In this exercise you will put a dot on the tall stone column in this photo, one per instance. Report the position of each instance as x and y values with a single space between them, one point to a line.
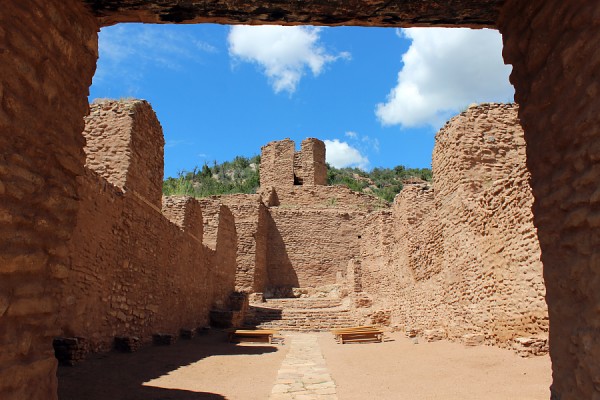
553 47
48 52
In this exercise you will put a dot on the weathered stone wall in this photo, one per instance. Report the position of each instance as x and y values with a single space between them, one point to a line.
464 256
281 166
309 164
277 164
125 145
48 50
250 224
313 233
133 271
555 74
220 237
323 197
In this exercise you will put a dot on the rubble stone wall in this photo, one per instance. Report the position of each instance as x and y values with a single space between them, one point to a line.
220 238
136 269
48 52
133 271
277 164
308 247
251 229
281 166
325 197
555 73
311 168
464 255
125 145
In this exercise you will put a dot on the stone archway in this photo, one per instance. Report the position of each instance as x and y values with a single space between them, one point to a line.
48 51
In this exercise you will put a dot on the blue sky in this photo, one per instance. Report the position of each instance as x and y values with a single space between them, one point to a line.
375 95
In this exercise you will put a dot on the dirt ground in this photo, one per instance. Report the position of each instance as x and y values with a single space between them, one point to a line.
400 369
208 367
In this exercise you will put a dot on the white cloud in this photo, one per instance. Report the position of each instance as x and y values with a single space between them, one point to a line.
341 154
446 69
283 52
351 134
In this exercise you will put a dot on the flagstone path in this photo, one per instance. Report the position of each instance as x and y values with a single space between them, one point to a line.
303 375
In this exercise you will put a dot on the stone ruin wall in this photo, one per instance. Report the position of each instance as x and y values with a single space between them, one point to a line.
277 164
135 269
309 163
125 145
250 219
313 230
281 166
220 241
309 247
49 52
466 258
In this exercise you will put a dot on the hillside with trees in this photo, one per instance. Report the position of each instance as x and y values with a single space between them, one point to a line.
242 176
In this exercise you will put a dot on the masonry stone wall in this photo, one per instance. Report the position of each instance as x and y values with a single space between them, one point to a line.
125 145
555 69
135 269
322 197
48 51
309 247
309 164
251 228
463 256
277 164
220 239
281 166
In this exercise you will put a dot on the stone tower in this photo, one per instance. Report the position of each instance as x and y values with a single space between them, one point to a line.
282 166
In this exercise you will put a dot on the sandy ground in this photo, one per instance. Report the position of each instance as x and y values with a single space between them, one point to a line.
399 369
208 367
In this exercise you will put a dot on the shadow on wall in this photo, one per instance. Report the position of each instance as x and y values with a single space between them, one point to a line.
134 376
281 276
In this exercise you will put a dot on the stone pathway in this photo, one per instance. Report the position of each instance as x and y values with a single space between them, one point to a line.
303 374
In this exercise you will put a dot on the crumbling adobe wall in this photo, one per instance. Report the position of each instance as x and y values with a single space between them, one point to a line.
48 55
134 270
466 255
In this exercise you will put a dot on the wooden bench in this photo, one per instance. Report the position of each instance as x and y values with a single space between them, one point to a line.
252 335
358 334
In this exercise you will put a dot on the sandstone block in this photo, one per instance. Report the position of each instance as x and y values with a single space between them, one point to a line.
473 339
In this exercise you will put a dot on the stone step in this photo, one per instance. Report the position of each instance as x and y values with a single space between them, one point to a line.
306 304
300 320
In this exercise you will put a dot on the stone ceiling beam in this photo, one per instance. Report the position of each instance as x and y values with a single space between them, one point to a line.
384 13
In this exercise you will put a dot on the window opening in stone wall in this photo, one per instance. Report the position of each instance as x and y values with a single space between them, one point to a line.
363 106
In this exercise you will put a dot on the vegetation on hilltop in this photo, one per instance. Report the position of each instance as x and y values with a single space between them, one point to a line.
242 176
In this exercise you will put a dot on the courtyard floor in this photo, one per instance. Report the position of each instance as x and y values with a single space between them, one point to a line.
308 366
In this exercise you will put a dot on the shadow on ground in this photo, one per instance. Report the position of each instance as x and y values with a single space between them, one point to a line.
121 376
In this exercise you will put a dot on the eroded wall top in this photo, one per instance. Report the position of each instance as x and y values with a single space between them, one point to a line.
125 145
282 166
